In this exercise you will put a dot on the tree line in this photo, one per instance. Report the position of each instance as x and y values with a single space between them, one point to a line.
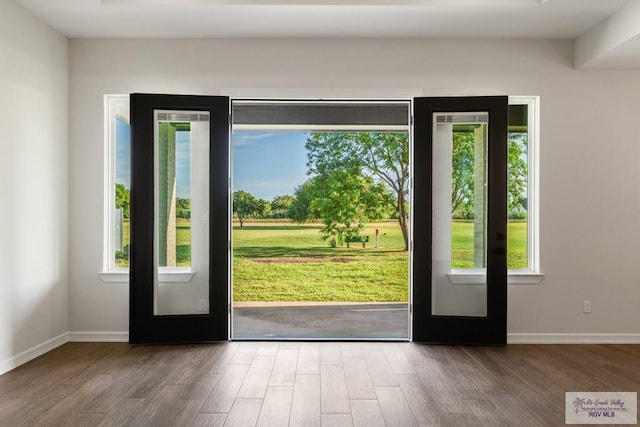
123 201
246 206
356 178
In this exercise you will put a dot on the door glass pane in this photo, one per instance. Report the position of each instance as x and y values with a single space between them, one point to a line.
459 213
518 188
181 212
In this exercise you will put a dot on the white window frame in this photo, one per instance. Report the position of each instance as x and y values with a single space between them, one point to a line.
532 274
117 107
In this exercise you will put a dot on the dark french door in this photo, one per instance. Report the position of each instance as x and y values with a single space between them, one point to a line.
179 261
180 276
460 157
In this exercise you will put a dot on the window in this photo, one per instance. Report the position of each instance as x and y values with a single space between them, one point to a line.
522 206
523 184
117 190
117 185
173 164
523 257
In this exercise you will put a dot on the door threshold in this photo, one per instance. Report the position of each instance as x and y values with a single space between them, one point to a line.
327 338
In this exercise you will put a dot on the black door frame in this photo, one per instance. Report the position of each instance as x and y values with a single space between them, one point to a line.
428 327
144 326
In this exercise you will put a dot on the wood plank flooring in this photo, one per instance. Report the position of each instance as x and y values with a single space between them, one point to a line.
310 384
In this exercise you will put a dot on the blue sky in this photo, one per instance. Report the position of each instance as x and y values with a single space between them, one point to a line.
122 154
265 164
268 164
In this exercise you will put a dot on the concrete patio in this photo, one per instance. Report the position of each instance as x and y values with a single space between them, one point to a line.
320 321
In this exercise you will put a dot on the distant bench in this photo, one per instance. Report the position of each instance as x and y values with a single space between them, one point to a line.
357 239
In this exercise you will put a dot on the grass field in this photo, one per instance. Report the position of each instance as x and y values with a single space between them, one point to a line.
289 262
283 261
183 243
462 244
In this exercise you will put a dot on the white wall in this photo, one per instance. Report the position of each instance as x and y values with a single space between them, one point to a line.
34 191
590 147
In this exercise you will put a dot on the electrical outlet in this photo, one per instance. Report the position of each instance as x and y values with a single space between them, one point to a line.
586 306
203 305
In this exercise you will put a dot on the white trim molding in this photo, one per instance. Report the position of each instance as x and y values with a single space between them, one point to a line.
514 277
565 338
108 336
173 275
321 93
474 3
115 107
32 353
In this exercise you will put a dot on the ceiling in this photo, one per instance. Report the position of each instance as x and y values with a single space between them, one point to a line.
607 32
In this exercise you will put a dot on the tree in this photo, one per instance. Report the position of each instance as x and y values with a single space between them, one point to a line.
281 206
263 208
380 155
463 168
183 208
301 208
344 201
245 205
517 175
462 174
122 199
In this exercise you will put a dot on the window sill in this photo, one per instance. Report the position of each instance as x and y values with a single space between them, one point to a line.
457 278
515 277
178 275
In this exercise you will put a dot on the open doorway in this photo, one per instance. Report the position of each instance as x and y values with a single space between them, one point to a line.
320 228
341 125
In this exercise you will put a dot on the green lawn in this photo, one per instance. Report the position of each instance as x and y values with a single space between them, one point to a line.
183 243
283 261
462 244
289 262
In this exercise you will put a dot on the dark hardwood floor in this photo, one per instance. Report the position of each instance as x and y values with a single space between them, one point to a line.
307 383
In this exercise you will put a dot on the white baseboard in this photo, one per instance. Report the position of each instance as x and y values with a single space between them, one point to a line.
85 336
573 338
514 338
33 352
120 336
